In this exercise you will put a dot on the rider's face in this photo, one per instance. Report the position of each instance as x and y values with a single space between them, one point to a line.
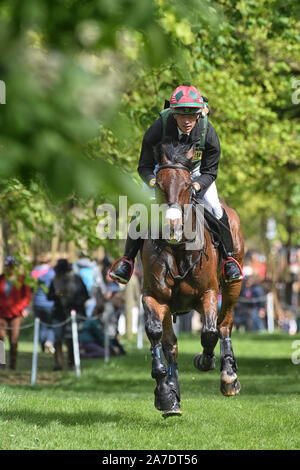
186 122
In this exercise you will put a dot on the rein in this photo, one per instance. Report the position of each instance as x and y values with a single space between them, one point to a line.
182 276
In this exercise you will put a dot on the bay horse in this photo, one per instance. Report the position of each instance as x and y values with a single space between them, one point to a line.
177 281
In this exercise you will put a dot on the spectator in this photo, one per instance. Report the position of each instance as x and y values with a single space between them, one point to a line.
288 322
110 318
91 274
248 311
69 293
92 339
14 299
242 312
258 312
132 304
110 285
42 307
84 267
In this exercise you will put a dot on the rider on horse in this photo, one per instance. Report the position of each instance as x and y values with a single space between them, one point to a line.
184 122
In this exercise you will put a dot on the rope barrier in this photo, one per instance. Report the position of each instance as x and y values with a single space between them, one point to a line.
13 328
49 325
263 298
252 300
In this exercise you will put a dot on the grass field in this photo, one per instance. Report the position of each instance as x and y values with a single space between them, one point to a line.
112 405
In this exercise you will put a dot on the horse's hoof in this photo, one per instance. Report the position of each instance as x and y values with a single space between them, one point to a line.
230 389
204 362
175 411
164 398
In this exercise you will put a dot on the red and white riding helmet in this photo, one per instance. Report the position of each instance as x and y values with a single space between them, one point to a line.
186 99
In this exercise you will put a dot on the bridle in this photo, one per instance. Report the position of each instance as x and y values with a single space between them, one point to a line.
178 166
177 278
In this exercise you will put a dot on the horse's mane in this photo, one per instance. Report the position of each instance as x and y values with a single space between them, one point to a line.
174 151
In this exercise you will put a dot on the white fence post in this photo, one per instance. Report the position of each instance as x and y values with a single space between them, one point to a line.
270 312
141 326
2 354
35 350
75 343
106 340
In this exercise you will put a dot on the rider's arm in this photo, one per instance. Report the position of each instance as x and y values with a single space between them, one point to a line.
210 159
147 160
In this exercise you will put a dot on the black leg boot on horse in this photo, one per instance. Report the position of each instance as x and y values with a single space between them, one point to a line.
121 271
228 367
206 360
166 393
170 349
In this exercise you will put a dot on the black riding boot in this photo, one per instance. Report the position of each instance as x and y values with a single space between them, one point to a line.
123 268
231 269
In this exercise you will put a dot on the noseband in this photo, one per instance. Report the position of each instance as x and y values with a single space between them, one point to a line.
174 167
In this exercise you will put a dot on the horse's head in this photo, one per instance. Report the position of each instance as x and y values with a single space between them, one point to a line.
173 182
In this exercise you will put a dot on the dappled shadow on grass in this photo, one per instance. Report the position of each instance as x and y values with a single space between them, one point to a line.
40 418
265 337
130 376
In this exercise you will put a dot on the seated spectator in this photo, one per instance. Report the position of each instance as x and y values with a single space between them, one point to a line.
92 339
287 322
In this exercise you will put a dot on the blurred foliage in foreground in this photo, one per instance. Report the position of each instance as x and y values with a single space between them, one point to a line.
84 80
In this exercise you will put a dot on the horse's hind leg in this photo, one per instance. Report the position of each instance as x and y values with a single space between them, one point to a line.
169 344
209 335
228 366
165 398
230 293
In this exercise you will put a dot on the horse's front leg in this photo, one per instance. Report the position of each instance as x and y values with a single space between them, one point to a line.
155 312
209 335
170 348
228 366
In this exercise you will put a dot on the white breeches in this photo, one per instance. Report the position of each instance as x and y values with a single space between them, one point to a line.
210 196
